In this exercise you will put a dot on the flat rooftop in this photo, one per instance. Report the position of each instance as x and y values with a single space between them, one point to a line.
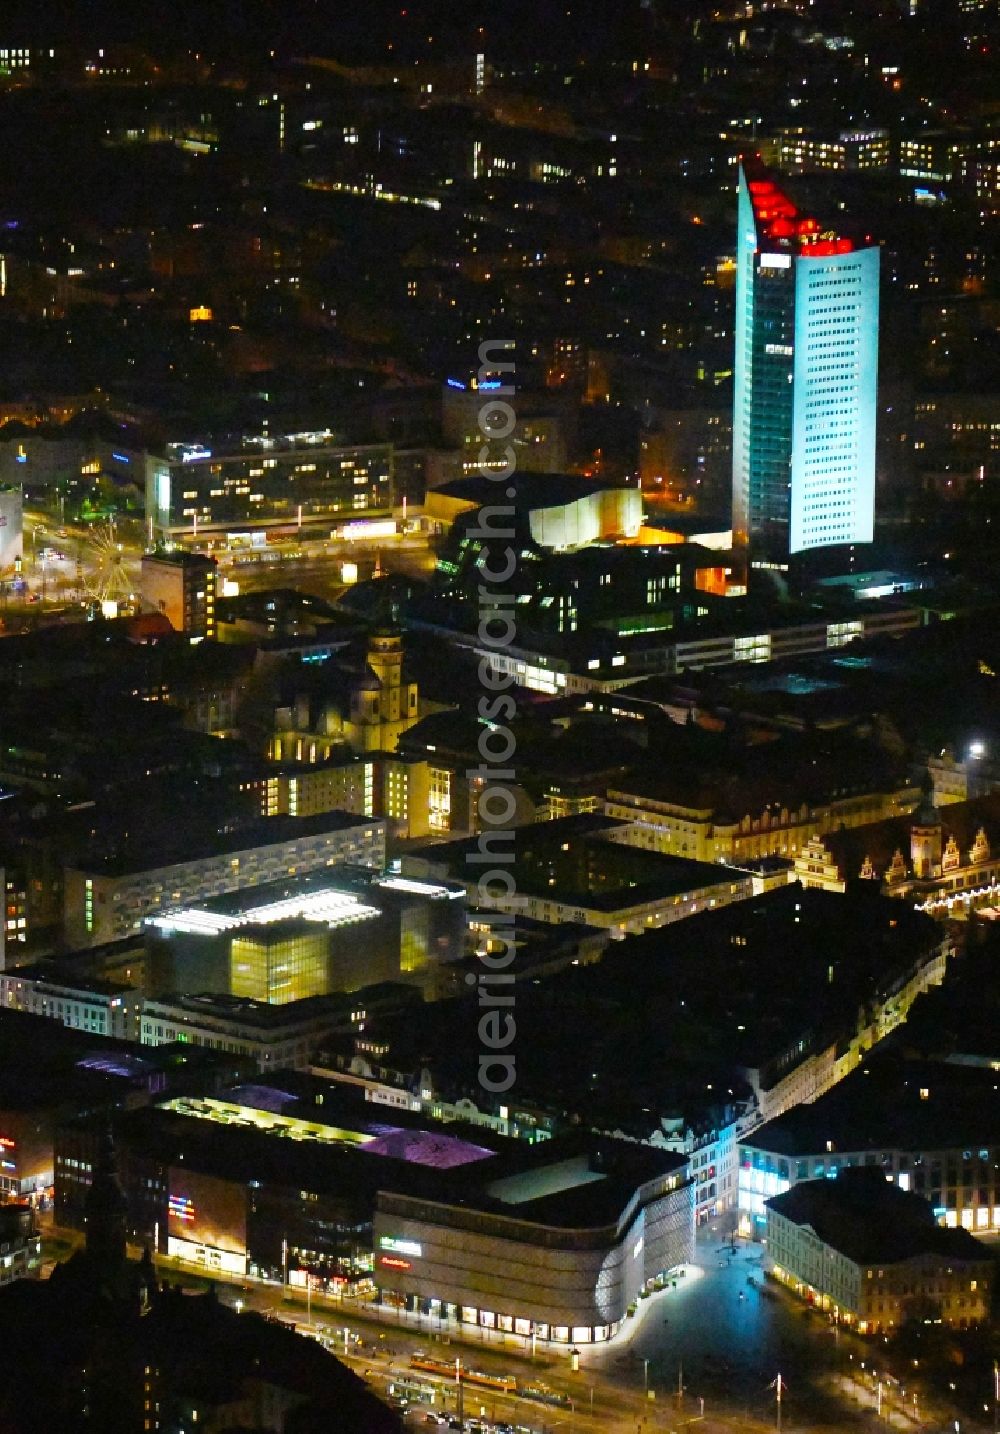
243 1011
793 684
867 1218
880 583
348 895
346 1146
555 1179
179 558
892 1103
531 490
47 1065
164 851
367 1135
674 1022
576 861
63 976
253 912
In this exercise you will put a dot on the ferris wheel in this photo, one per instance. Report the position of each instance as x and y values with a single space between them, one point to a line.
108 574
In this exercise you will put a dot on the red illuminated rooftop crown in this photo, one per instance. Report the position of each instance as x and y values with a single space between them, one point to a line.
781 225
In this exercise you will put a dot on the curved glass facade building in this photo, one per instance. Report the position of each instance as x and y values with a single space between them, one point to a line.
805 378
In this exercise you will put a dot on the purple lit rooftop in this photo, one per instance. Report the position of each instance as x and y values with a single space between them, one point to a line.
117 1063
423 1147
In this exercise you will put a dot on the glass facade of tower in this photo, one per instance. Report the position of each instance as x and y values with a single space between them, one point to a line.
806 377
835 396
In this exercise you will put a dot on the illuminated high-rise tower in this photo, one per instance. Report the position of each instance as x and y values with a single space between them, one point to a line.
805 379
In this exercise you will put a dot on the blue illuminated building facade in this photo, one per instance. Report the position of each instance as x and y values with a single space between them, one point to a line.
805 379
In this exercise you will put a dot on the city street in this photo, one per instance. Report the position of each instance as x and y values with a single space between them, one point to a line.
500 572
724 1353
65 563
720 1338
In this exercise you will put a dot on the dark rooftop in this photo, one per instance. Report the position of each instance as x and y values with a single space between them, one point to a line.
268 1017
180 558
671 1023
575 860
47 1064
892 1103
531 490
871 1221
68 974
456 1164
269 831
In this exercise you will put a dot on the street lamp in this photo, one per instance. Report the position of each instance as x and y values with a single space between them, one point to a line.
645 1375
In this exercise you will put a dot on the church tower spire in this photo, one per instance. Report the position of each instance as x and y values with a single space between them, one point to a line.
107 1210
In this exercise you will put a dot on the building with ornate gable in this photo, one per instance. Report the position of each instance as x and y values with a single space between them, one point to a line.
946 860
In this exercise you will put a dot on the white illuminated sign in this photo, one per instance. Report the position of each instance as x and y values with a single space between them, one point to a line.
400 1247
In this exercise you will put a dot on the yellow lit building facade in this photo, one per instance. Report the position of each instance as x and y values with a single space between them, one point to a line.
873 1263
378 706
280 964
704 834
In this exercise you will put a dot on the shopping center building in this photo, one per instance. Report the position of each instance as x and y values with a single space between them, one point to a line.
306 1182
561 1249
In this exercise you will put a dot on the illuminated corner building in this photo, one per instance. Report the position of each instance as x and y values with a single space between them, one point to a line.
805 379
337 784
930 1127
872 1255
182 587
409 799
540 437
261 483
289 940
312 1185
